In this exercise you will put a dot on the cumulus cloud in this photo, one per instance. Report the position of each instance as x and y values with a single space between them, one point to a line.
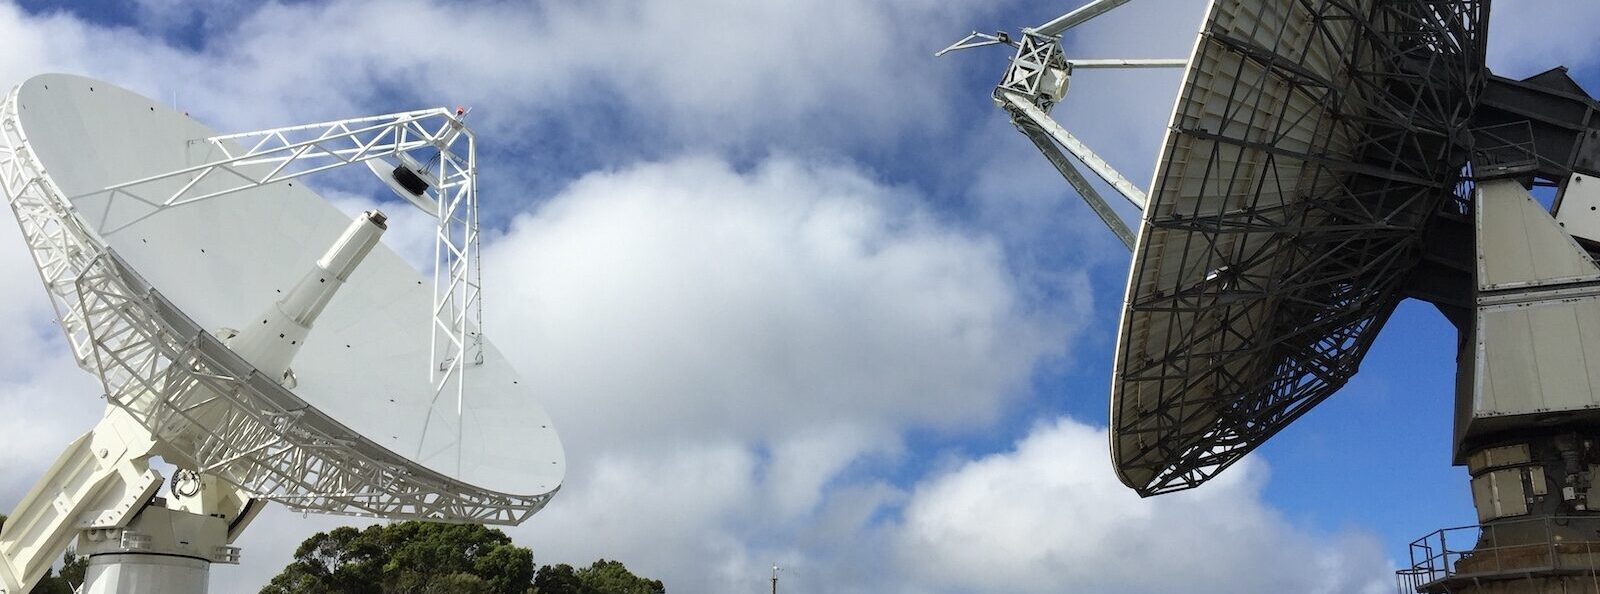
1530 36
774 325
1048 516
718 71
684 297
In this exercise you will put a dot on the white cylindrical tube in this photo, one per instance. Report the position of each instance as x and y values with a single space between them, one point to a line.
354 243
272 339
306 300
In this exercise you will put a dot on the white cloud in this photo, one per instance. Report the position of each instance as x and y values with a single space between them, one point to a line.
1049 517
675 513
719 71
1530 36
719 347
685 298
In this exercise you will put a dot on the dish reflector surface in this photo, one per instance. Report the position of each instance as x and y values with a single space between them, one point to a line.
1311 143
224 260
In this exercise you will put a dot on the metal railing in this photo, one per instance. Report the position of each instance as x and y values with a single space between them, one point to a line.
1503 150
1505 550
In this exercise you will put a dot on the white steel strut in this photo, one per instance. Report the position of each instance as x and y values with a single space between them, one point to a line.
1056 26
1037 79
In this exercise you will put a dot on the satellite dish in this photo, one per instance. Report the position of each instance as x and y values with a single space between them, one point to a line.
248 332
1325 160
1302 165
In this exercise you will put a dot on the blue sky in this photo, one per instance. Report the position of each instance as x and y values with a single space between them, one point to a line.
795 291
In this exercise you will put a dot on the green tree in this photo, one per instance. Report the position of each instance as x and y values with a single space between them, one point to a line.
429 558
557 579
66 582
408 557
601 577
610 577
73 569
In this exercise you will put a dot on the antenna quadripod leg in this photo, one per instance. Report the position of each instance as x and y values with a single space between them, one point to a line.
169 545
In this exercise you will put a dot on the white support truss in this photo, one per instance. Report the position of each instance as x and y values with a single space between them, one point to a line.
178 381
457 286
254 159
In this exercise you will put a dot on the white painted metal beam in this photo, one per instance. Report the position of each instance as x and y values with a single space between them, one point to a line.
1132 63
1078 17
1100 167
1096 202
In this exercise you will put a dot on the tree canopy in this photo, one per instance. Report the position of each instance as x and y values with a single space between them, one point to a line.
426 558
601 577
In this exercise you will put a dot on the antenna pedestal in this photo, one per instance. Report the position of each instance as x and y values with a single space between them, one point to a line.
133 572
1528 411
162 550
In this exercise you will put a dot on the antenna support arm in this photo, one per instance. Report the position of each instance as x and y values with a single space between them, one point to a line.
1078 182
1128 63
1077 17
1024 108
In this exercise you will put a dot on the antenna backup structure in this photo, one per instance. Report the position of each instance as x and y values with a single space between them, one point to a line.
1325 160
248 333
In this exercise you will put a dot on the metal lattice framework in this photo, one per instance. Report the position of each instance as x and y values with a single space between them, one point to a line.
1036 56
1312 142
282 154
213 410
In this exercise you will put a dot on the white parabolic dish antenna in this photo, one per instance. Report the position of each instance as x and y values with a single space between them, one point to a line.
166 249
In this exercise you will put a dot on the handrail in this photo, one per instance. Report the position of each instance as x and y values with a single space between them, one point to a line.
1475 551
